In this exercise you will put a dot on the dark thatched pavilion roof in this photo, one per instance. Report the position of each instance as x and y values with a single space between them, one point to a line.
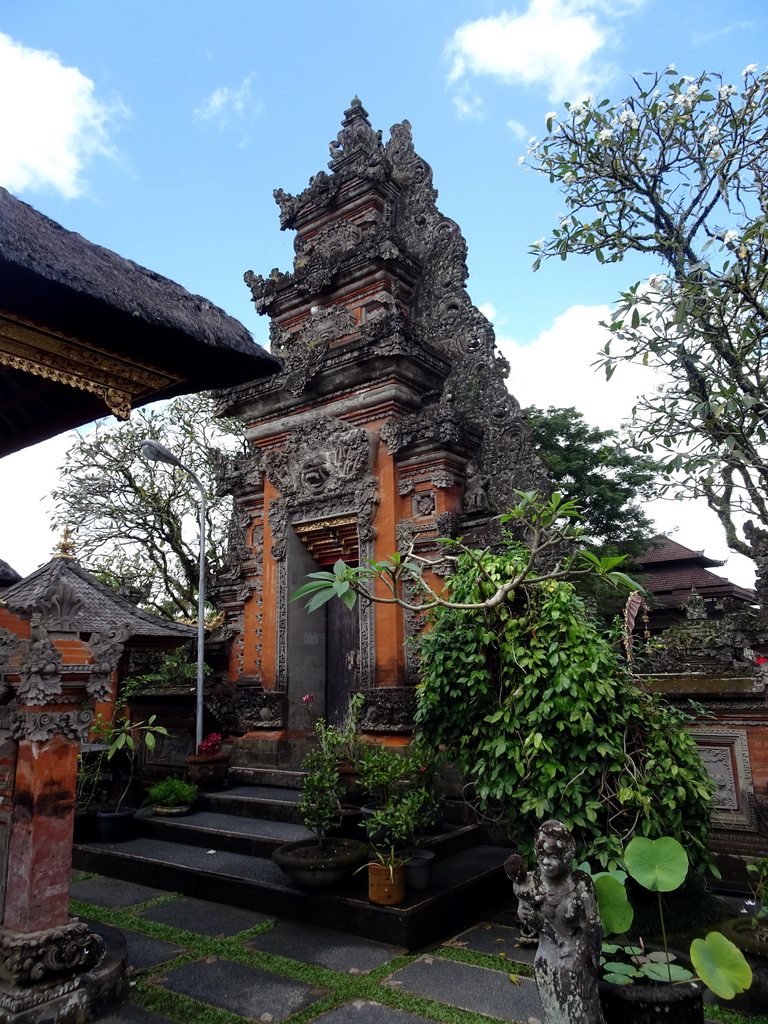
70 308
102 608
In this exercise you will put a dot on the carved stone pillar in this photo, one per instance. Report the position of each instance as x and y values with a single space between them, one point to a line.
48 961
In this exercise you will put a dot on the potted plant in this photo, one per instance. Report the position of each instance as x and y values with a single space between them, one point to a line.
172 796
644 985
386 877
125 738
400 820
321 861
208 767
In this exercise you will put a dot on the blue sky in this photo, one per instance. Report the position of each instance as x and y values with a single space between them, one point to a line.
159 129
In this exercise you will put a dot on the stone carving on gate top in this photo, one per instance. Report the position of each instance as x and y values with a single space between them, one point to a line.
304 350
323 458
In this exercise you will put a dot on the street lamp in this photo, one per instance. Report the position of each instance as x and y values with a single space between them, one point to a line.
156 452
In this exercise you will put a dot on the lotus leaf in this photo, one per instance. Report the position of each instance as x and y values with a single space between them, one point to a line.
721 965
615 910
659 865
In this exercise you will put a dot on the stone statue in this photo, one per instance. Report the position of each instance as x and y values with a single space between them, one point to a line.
560 904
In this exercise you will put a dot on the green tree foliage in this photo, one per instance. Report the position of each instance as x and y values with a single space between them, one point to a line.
677 172
540 712
589 465
135 522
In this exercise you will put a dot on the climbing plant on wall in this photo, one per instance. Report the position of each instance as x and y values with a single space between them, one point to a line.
540 712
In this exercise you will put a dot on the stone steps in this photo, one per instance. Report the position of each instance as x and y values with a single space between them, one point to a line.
464 884
222 852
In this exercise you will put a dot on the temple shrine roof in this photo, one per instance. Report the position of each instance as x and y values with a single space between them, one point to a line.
85 332
674 570
102 608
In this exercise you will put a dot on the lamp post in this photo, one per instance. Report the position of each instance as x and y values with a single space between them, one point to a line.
156 452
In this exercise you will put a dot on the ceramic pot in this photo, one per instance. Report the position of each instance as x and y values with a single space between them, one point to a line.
386 886
418 870
171 812
655 1003
208 771
116 826
312 866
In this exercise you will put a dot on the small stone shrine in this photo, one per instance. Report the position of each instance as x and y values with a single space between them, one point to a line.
390 426
52 967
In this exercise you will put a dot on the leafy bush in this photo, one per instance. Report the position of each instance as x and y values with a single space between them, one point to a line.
172 792
541 714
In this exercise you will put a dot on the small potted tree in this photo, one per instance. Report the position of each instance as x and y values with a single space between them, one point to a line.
125 738
321 861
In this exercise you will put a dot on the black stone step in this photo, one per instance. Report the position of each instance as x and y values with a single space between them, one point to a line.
257 837
237 833
464 885
275 803
287 777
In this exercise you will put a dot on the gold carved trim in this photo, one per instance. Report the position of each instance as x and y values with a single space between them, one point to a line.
117 380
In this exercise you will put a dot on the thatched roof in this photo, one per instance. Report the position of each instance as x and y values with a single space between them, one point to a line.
102 608
60 281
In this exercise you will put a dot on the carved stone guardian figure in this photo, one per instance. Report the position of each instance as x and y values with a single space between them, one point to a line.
560 904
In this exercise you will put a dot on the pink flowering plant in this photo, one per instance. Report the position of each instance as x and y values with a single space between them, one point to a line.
211 745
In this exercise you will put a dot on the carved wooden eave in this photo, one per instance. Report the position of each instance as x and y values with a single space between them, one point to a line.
120 383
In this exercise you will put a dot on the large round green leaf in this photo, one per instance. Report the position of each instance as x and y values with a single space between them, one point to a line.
657 864
721 965
615 911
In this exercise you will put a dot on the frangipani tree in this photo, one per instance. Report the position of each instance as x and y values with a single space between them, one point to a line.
678 172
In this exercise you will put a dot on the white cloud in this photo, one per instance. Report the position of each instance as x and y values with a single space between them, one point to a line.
226 105
555 370
52 124
518 130
552 43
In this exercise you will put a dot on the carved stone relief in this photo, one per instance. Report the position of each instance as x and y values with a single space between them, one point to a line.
41 726
59 606
725 754
106 650
388 709
35 957
40 670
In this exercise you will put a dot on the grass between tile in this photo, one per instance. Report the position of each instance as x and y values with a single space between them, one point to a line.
148 991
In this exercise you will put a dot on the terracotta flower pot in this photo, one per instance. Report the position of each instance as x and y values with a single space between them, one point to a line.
386 885
208 771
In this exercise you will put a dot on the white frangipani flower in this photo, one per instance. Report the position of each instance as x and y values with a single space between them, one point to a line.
749 70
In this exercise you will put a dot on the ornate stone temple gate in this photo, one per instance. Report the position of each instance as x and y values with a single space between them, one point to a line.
389 425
